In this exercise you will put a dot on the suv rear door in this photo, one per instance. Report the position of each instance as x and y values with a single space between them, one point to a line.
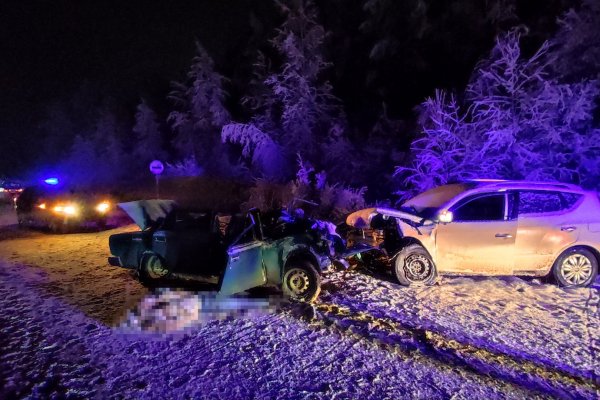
545 227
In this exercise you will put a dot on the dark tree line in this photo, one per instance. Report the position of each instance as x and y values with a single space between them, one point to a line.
335 88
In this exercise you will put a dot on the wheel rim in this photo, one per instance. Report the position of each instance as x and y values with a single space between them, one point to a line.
576 269
155 268
298 281
417 267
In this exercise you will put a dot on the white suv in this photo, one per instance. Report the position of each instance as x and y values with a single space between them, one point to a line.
490 227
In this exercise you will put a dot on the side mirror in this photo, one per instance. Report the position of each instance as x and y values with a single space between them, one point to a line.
445 216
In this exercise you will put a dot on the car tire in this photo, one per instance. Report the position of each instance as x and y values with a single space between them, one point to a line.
575 267
153 270
414 267
301 281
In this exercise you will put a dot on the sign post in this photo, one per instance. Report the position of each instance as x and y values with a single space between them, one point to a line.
157 168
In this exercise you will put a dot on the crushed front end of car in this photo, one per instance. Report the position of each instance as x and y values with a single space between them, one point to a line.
236 252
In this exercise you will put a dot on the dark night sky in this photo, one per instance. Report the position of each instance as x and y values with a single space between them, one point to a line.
124 49
52 46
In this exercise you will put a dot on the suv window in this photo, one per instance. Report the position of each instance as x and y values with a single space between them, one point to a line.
484 208
541 202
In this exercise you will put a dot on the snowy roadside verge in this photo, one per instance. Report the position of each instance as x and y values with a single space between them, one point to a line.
52 350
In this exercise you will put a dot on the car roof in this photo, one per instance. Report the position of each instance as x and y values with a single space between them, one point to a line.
521 184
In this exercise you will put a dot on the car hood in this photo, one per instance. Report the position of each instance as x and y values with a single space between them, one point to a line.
362 218
146 213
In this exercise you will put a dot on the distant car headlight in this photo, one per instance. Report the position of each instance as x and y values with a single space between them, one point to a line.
103 207
42 206
68 209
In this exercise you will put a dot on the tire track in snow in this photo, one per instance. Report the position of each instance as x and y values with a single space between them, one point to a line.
509 369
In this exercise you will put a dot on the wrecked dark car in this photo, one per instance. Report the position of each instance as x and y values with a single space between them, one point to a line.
236 252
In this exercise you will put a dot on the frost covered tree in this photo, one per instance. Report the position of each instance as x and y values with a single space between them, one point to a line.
112 161
445 151
148 140
98 155
518 121
533 126
81 163
297 113
200 111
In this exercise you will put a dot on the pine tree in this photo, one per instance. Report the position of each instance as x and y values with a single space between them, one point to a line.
148 140
112 163
201 112
297 112
518 121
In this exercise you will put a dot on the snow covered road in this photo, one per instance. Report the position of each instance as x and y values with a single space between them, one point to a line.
63 333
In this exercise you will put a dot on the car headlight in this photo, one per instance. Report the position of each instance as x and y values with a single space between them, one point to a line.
68 209
103 207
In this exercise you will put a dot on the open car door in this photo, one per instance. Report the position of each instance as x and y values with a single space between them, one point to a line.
245 268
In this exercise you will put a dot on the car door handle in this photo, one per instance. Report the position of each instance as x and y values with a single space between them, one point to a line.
504 235
235 258
567 228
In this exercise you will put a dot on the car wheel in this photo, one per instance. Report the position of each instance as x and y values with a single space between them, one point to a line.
153 269
576 267
414 266
301 281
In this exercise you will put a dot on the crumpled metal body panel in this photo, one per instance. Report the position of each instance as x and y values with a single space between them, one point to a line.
244 269
362 218
261 263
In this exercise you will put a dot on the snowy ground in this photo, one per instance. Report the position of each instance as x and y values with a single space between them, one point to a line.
71 326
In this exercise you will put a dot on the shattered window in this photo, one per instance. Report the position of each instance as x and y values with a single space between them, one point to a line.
486 208
540 202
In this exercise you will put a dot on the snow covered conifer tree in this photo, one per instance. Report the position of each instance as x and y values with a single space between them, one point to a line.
520 122
444 152
298 112
81 162
148 141
533 126
112 163
200 112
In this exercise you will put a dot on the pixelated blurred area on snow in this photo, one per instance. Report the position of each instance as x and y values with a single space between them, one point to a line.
169 310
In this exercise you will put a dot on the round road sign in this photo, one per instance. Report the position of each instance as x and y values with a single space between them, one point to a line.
157 167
